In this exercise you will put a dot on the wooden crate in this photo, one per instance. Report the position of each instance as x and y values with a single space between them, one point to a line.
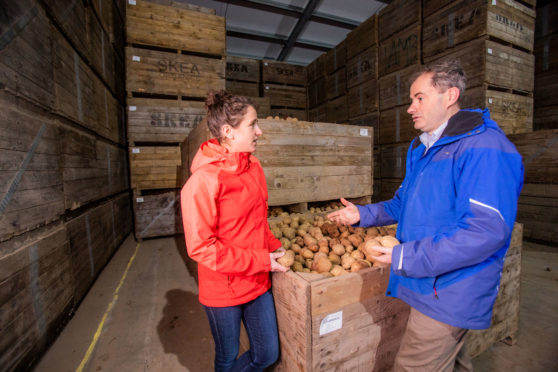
394 89
71 19
468 20
284 73
337 110
505 314
109 113
396 125
546 84
174 27
155 167
37 291
317 92
26 66
103 10
285 95
160 120
317 159
398 15
150 71
363 98
388 187
392 159
363 37
32 188
546 54
546 19
284 113
497 65
316 69
512 112
321 320
538 211
244 69
362 67
318 114
540 155
243 88
400 50
370 119
102 53
261 105
336 57
74 84
157 214
545 118
336 83
430 7
91 169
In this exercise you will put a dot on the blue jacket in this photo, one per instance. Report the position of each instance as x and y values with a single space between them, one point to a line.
455 212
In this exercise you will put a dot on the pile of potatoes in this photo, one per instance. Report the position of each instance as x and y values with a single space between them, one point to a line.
315 244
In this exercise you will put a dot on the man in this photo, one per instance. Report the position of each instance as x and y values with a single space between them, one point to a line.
455 212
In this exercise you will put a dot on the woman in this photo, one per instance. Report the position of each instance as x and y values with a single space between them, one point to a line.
224 209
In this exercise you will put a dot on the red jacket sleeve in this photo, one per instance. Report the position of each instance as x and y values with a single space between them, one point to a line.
199 216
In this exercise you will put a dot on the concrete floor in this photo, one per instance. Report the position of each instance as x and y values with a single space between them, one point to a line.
153 321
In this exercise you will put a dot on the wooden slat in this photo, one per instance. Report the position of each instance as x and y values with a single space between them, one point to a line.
512 112
316 69
362 67
336 83
285 95
545 118
244 69
396 126
282 72
399 51
155 167
71 18
159 120
262 106
26 66
363 98
394 88
432 6
336 57
31 190
468 20
243 88
393 159
539 152
102 53
317 92
363 37
495 64
157 214
337 110
148 23
398 15
369 120
149 71
318 114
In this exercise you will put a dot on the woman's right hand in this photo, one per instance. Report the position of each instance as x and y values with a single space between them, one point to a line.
275 266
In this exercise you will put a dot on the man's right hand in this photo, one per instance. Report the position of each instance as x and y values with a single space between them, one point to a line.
346 216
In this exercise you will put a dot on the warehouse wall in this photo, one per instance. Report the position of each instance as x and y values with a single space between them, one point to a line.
64 197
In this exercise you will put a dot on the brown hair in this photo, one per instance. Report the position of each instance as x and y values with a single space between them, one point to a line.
446 73
224 108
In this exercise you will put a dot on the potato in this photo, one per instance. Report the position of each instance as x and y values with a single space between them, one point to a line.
359 265
324 249
389 241
316 233
323 243
306 253
335 259
301 231
288 232
322 264
368 249
337 270
309 240
346 242
300 258
286 220
353 238
298 240
287 259
277 232
345 234
372 231
338 249
347 261
333 241
319 255
297 267
286 243
357 254
360 231
296 248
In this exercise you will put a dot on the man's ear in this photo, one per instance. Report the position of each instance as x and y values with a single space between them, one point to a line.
452 95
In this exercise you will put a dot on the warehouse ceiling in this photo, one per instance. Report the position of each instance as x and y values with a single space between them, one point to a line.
294 31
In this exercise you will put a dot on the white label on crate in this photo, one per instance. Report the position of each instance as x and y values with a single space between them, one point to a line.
139 200
490 100
331 322
266 87
265 63
363 132
489 50
493 2
132 108
132 2
135 150
136 58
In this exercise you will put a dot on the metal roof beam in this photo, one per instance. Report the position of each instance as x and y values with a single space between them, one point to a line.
304 18
276 39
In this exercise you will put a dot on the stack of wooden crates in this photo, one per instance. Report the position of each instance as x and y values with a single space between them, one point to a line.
175 55
64 196
244 79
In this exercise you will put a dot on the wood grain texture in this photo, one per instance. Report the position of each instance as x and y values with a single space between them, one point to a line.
282 72
398 15
401 50
396 126
362 37
244 69
363 98
155 167
157 214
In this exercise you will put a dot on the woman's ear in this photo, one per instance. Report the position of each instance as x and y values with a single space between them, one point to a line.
227 132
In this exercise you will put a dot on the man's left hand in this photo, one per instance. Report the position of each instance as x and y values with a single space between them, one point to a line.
385 256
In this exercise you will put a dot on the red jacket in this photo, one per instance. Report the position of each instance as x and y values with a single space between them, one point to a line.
224 211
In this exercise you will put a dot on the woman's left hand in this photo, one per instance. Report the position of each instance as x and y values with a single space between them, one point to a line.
275 266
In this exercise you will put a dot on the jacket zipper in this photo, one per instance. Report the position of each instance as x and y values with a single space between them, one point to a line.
435 291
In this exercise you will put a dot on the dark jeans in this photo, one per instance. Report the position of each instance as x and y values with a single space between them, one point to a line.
260 322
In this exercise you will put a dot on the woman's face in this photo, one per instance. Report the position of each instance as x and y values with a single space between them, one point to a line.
245 135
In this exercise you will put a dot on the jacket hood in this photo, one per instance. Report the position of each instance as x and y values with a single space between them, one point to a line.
211 152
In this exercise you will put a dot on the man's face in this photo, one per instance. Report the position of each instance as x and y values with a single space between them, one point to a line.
429 107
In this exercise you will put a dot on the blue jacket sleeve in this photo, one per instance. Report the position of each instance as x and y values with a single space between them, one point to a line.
380 214
488 183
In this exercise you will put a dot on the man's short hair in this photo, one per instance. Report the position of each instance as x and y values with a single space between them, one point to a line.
447 73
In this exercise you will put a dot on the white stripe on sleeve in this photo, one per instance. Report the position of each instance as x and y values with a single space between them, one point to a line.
487 206
400 266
